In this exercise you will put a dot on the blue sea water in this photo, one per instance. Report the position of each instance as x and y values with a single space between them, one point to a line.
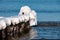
47 10
47 32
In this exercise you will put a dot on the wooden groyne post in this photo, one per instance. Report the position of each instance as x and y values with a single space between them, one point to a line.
14 27
15 30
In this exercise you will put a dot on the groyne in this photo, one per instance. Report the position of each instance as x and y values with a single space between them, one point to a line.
14 27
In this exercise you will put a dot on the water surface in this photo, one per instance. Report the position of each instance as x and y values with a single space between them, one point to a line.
47 10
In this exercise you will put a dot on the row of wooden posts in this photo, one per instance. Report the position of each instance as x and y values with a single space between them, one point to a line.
15 30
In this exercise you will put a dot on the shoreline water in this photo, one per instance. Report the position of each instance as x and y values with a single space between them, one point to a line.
49 23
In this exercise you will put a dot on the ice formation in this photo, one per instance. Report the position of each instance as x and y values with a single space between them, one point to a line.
28 14
15 20
2 24
21 18
25 9
25 14
8 21
33 18
26 18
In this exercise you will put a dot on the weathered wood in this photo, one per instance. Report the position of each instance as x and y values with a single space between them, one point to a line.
13 32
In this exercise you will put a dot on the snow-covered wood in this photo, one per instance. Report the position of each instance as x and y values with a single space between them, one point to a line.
2 24
8 21
15 20
25 9
25 14
33 18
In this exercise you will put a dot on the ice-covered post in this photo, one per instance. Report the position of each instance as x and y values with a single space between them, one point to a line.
9 27
29 13
2 29
33 18
15 22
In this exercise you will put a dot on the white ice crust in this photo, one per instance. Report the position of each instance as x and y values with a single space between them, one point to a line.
33 18
2 24
25 9
8 21
15 20
28 15
21 18
26 18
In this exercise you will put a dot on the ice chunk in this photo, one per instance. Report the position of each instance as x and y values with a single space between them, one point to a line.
33 18
25 9
21 18
2 24
8 21
15 20
26 18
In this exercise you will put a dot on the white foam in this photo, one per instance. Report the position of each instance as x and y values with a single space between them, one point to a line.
2 24
15 20
8 21
25 9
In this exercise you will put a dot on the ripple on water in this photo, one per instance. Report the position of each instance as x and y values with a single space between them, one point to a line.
47 32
